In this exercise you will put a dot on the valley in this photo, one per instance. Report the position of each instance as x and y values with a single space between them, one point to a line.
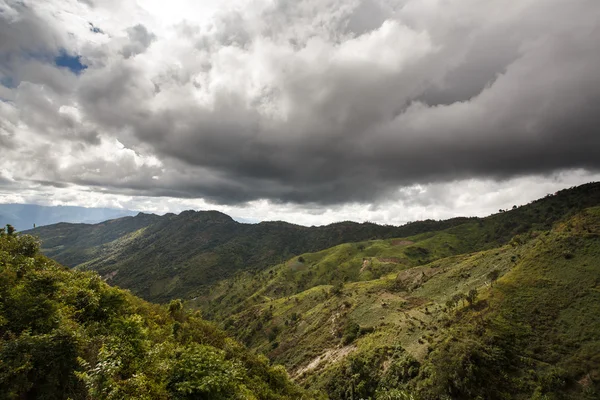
499 307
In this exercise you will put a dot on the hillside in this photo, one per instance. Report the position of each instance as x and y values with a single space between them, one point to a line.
427 316
68 335
26 216
182 256
163 257
502 307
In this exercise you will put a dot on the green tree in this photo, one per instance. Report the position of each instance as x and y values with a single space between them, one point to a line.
10 230
492 276
471 296
350 332
202 372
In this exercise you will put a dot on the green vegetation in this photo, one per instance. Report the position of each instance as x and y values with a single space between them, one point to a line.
182 256
454 316
503 307
161 258
68 335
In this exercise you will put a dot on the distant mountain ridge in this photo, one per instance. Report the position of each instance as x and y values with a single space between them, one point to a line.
181 256
25 216
162 257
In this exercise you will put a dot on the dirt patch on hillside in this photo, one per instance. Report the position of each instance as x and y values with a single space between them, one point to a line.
330 356
110 275
402 242
366 263
394 260
412 278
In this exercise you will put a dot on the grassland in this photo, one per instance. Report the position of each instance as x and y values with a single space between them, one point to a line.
532 322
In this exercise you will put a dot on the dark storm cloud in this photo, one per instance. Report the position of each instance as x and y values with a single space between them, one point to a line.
336 101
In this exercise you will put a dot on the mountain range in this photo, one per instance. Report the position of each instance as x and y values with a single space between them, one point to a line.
163 257
505 306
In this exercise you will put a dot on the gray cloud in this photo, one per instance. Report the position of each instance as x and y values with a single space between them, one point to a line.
322 102
139 40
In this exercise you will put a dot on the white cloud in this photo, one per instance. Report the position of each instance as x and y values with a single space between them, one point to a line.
309 111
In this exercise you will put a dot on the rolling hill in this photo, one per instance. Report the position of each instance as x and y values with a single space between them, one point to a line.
181 256
164 257
429 317
502 307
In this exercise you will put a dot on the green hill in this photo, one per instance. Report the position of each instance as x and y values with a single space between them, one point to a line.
68 335
502 307
432 314
163 257
181 256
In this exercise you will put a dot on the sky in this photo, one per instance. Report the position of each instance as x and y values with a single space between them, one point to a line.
308 111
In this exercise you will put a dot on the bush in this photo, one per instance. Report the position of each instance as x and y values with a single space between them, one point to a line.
350 332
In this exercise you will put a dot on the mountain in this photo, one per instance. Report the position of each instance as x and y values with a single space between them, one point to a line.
434 316
502 307
66 334
179 256
26 216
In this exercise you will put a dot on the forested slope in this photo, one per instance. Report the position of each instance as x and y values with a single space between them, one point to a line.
68 335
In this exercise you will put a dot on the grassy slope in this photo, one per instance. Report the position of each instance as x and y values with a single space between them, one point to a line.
397 293
385 282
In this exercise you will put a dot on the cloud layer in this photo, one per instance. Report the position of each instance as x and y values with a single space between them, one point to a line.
320 102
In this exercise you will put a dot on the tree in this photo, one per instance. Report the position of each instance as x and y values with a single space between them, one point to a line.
492 276
458 297
337 288
471 296
176 309
350 332
202 372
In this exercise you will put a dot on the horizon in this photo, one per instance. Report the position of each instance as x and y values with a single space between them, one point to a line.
245 220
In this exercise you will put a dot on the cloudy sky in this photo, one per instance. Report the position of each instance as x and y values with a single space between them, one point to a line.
309 111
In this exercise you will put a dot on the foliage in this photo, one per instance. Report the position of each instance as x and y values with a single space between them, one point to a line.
68 335
495 308
515 321
350 332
